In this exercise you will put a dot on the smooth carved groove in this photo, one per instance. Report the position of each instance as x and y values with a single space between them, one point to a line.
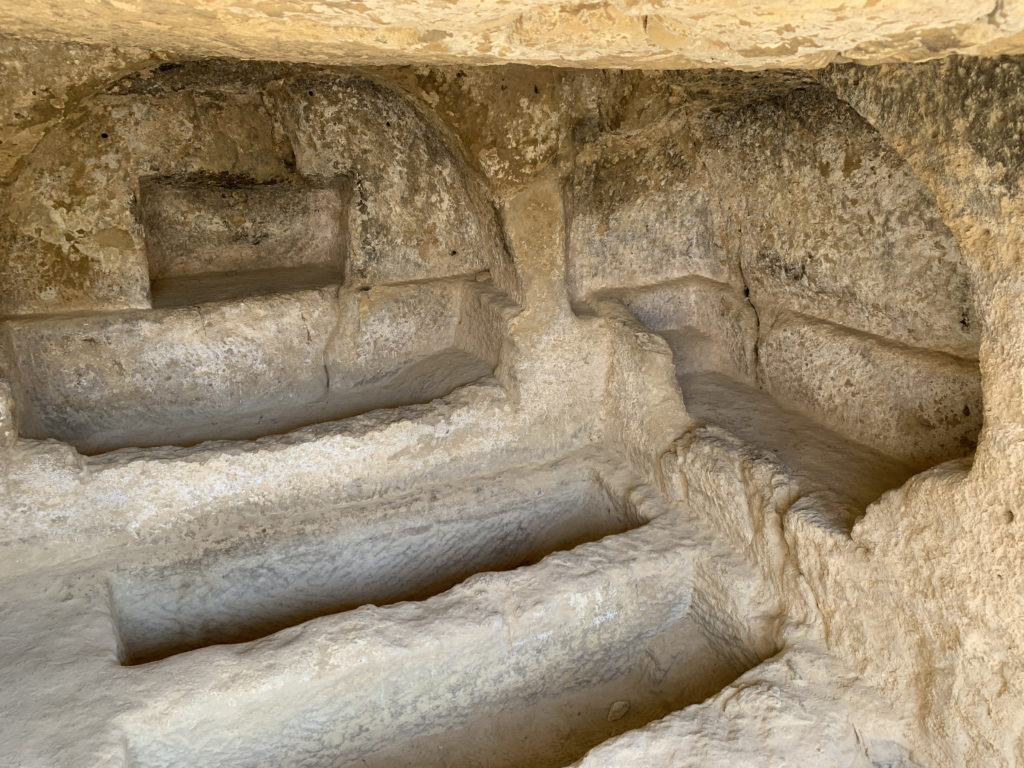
556 729
819 460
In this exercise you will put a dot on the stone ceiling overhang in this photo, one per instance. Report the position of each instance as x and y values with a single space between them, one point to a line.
615 33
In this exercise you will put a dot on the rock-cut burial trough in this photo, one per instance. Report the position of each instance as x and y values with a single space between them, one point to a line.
529 666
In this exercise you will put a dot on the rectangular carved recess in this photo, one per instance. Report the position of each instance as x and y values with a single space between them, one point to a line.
407 549
215 238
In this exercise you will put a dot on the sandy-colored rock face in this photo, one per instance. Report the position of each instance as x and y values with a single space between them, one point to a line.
432 414
607 33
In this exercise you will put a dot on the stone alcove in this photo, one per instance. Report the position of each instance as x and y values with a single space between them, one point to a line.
216 238
816 305
247 249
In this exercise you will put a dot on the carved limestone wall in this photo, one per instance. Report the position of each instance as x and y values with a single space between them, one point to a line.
499 416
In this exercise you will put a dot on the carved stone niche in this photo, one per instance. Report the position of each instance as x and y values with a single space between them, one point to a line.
244 237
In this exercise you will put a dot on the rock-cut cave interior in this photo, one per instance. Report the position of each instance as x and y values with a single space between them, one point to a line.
476 385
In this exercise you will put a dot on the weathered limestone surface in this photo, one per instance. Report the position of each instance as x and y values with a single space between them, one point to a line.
641 215
783 207
931 408
761 332
695 312
9 425
810 33
73 235
246 368
791 711
41 81
954 121
837 226
242 226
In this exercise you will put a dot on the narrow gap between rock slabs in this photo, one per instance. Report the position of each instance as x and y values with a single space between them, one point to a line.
190 290
335 560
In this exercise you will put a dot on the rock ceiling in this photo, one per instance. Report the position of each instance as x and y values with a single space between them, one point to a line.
613 33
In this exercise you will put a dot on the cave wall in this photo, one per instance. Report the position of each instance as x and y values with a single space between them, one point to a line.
834 239
798 214
966 155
